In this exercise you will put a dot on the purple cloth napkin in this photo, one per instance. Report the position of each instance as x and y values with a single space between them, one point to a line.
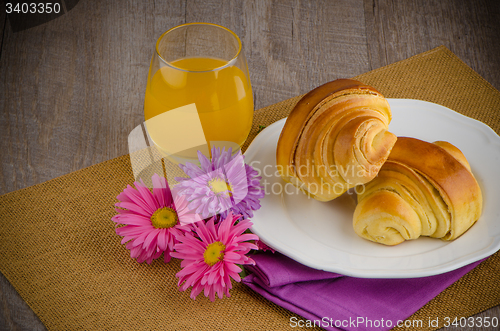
336 302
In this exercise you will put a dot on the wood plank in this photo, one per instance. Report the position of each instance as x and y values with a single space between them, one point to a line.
3 22
95 58
10 299
397 30
291 46
15 314
73 88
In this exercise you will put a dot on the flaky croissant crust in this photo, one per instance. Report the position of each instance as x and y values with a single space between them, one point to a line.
335 138
423 189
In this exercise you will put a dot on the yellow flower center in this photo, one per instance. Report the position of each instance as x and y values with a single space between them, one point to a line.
217 185
214 253
164 218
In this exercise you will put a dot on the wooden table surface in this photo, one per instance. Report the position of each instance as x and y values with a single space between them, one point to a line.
73 88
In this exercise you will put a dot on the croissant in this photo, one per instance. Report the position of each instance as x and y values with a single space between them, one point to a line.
335 138
423 189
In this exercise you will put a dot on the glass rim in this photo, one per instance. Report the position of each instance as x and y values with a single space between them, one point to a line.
228 64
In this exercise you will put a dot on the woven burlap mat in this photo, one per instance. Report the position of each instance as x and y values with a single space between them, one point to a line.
59 250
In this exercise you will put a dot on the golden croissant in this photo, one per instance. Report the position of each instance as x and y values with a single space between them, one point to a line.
423 189
335 138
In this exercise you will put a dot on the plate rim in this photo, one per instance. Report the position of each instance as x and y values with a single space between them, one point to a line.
455 263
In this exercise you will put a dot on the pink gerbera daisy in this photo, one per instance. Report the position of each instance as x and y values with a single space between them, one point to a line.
152 219
211 256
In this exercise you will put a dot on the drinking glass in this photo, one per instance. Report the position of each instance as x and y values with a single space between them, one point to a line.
198 93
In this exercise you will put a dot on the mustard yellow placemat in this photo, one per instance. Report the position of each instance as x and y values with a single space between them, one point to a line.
59 250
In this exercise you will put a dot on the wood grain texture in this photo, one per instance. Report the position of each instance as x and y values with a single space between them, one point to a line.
396 30
72 89
289 44
3 21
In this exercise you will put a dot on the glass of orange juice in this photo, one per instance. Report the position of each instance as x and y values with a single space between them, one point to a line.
198 93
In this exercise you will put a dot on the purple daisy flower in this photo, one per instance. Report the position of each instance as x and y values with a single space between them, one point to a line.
220 185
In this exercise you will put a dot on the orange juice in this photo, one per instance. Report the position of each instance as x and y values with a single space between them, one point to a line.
223 97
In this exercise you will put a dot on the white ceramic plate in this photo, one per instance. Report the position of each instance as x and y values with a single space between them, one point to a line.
320 234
